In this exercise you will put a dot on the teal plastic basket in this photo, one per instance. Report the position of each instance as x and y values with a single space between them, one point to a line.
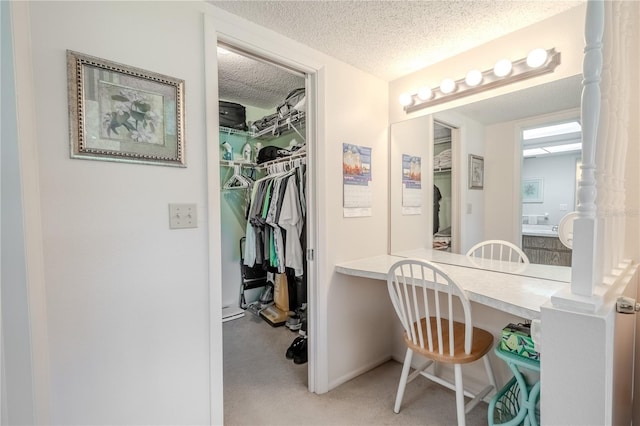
506 405
505 410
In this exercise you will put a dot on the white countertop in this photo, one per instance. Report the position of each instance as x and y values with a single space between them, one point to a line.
547 272
540 230
520 295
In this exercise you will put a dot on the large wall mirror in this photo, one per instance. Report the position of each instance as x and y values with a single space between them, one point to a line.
491 129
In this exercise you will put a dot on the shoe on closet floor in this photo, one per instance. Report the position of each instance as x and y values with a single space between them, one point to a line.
294 323
300 357
295 347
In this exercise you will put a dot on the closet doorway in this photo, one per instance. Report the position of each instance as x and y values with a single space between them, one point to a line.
264 216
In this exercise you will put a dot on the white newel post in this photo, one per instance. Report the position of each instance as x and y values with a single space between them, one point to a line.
586 264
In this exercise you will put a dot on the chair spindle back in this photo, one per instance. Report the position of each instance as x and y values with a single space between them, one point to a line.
410 282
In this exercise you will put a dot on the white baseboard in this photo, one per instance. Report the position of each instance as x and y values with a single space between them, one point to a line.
353 374
231 312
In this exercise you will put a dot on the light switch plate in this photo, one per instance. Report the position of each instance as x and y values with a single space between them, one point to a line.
183 216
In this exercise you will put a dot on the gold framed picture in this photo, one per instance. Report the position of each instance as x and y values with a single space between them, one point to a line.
122 113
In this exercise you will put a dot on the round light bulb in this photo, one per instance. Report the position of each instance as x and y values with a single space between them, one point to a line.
502 68
425 93
406 99
473 78
447 86
536 58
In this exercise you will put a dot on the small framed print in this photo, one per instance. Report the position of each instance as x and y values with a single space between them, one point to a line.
533 190
122 113
476 172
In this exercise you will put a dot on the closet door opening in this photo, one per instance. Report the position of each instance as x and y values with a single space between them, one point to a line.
445 188
264 203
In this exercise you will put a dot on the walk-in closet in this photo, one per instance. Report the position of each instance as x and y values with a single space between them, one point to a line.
263 181
442 195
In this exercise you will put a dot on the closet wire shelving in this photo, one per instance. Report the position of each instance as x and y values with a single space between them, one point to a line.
282 124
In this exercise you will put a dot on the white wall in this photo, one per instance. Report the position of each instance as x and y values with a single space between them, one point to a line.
410 231
17 373
127 297
357 310
559 174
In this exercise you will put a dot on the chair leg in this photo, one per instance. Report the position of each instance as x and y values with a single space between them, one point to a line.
403 380
459 395
492 377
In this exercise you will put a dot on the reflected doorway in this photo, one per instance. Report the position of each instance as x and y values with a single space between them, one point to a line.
550 154
443 194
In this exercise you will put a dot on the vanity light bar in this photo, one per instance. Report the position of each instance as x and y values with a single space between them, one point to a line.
533 65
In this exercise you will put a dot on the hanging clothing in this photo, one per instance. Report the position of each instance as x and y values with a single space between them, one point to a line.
275 220
291 220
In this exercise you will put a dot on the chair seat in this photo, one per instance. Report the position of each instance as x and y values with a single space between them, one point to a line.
481 344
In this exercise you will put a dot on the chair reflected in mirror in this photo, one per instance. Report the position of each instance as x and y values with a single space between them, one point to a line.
498 250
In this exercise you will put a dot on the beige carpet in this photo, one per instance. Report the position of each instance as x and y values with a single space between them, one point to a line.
262 387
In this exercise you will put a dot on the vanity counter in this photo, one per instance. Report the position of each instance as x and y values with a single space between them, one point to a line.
514 293
546 271
546 249
540 230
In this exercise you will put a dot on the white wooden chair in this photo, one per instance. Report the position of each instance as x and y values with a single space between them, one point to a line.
498 250
430 331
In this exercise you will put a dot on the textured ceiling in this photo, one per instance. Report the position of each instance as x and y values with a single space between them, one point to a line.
390 39
252 82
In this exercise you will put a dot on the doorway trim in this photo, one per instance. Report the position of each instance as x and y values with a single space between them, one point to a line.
217 29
